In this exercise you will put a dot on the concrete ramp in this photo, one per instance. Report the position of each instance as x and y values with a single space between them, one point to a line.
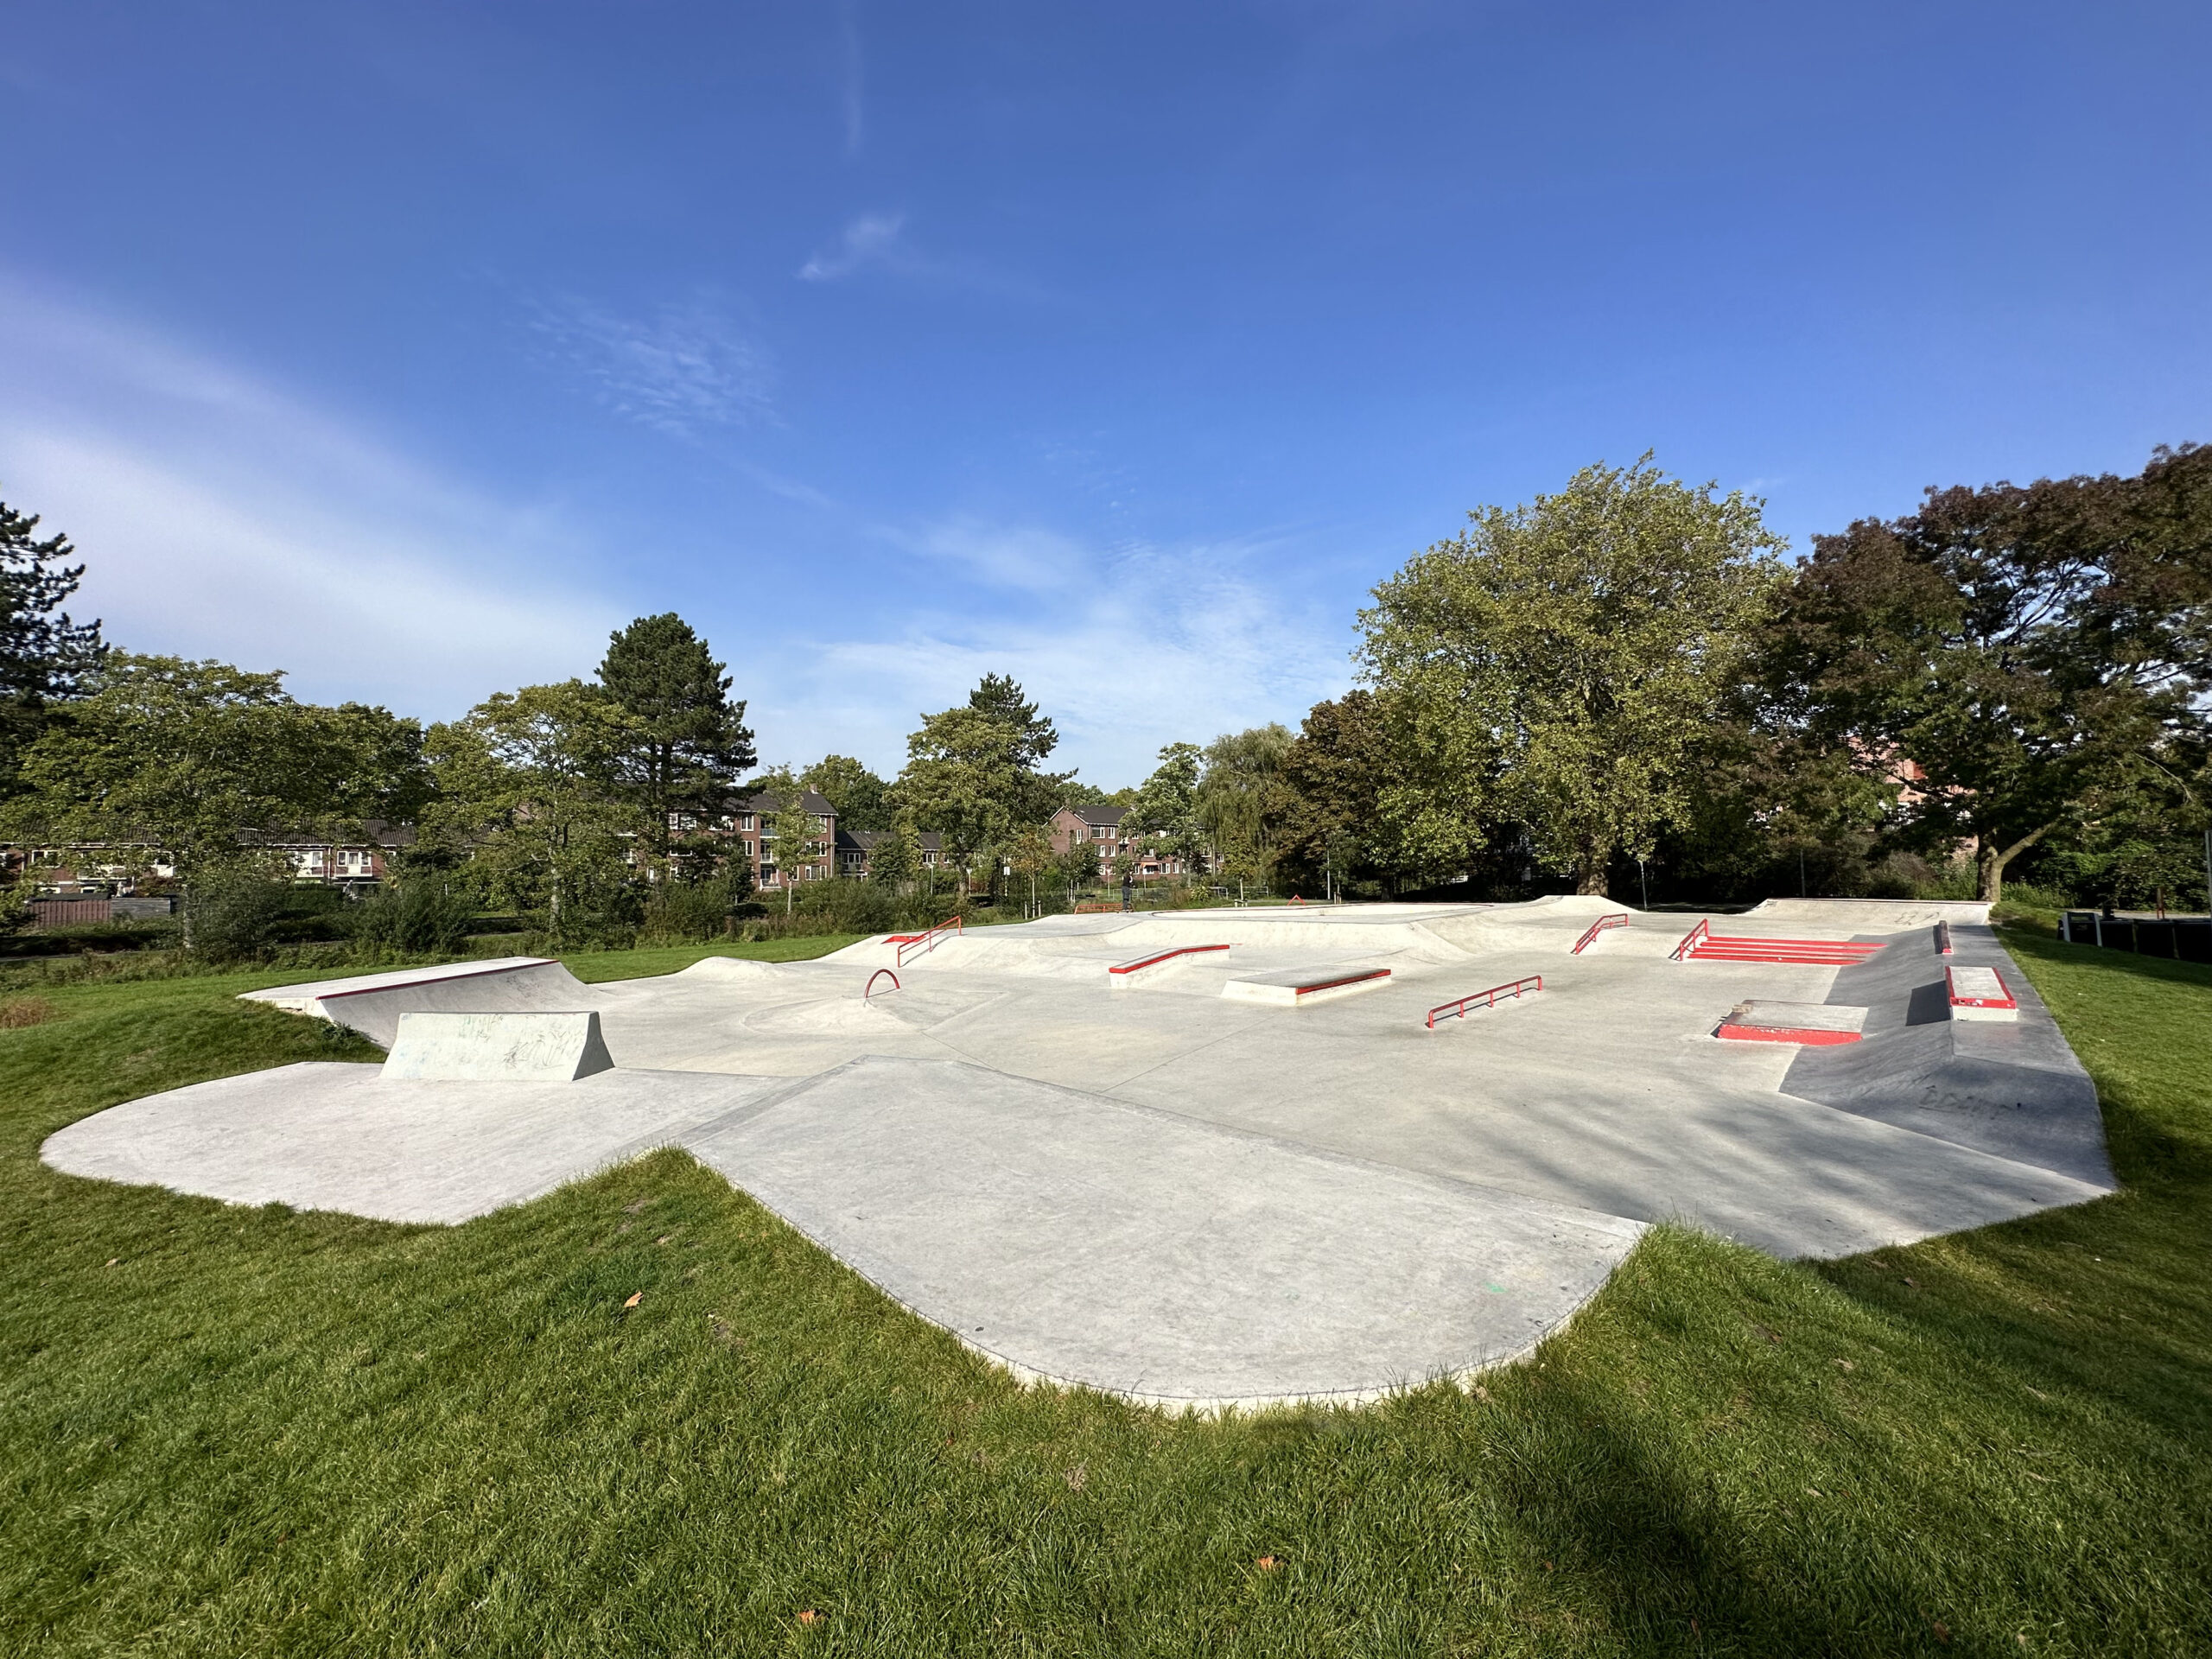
1081 1240
2014 1089
372 1003
498 1047
729 970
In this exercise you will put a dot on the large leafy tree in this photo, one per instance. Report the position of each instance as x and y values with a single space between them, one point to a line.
45 657
1244 801
1337 768
534 781
1554 664
689 744
204 761
2010 661
1166 809
972 771
862 799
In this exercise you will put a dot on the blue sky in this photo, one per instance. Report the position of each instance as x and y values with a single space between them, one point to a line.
411 347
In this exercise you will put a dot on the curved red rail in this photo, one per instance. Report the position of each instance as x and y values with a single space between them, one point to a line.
880 973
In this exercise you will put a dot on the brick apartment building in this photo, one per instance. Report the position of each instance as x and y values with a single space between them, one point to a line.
1102 826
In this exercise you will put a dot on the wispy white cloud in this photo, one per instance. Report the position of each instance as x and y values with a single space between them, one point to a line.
218 516
871 238
1127 648
683 367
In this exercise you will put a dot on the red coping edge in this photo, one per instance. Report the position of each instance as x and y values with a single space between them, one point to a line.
480 973
1785 1034
1179 950
1349 979
2008 1001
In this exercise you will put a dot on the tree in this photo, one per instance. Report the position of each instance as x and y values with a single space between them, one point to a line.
797 832
536 781
202 761
45 658
1244 803
690 744
971 771
1029 855
1167 807
1554 664
896 859
860 799
1337 768
2012 661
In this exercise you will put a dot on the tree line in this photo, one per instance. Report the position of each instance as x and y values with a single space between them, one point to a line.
1625 687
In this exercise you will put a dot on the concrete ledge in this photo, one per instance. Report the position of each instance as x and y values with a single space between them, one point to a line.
498 1047
1980 994
1817 1024
1298 989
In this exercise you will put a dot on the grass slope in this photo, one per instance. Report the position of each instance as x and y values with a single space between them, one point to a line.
231 1431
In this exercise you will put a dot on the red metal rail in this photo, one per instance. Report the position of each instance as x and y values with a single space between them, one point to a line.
880 973
1488 999
1157 957
922 943
1598 927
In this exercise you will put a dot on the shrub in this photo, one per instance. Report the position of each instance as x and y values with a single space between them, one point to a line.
231 913
686 913
426 916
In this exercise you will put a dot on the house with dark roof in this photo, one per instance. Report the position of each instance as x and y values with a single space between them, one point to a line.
1104 828
855 848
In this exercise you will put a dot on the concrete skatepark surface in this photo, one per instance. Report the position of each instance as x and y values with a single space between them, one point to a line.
1186 1198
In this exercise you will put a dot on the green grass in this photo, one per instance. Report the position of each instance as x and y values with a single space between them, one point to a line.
232 1431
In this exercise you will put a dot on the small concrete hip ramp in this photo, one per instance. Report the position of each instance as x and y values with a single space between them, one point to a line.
498 1047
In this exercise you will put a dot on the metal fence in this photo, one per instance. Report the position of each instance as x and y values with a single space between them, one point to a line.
2183 939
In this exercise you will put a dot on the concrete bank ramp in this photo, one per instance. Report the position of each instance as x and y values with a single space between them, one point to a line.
498 1047
325 1136
2014 1089
372 1003
1082 1240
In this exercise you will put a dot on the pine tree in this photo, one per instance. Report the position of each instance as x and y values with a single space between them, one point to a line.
45 658
695 745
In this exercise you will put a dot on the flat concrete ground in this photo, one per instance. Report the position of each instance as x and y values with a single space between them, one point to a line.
1183 1196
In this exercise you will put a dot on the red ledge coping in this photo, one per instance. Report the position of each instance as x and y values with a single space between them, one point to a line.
1785 1034
1349 979
1143 962
2004 998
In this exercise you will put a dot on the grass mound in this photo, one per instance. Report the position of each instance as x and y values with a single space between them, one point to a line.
642 1416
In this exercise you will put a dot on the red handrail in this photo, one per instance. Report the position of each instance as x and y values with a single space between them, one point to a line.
928 942
1598 927
880 973
1488 999
1690 941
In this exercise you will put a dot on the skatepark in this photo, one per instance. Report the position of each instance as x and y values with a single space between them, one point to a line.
1209 1158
